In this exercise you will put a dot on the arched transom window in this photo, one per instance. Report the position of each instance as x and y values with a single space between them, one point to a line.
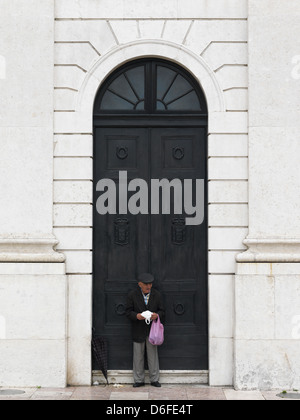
150 86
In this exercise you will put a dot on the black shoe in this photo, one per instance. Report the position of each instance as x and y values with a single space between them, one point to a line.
156 384
138 384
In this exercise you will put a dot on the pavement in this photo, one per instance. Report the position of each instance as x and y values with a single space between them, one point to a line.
147 393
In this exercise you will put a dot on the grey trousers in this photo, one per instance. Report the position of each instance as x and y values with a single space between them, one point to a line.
139 362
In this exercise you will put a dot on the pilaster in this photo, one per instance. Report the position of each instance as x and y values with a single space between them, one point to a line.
267 281
33 280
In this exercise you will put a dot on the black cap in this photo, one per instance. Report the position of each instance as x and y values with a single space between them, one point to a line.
146 278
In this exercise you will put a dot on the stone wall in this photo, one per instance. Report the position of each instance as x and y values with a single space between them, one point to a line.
33 303
92 38
51 68
268 275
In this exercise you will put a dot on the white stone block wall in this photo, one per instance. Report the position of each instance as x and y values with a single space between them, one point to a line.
267 328
245 54
267 283
33 304
26 120
89 32
33 307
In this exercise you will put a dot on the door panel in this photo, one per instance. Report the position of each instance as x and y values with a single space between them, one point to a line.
179 251
120 250
126 245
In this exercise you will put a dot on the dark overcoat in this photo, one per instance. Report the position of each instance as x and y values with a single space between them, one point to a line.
136 305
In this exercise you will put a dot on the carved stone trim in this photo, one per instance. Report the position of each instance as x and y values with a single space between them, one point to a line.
270 250
30 250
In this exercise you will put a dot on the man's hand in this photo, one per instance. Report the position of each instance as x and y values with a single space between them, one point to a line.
154 316
140 317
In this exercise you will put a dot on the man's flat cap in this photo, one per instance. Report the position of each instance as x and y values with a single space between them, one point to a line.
146 278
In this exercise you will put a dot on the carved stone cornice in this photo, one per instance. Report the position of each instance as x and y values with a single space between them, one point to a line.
16 249
270 250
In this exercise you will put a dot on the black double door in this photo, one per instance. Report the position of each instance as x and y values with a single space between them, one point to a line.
128 244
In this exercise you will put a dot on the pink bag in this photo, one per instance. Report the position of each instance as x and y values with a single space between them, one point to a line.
156 336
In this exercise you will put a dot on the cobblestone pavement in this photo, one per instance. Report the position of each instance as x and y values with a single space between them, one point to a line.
126 392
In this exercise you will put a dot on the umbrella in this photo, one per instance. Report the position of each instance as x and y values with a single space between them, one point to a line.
100 350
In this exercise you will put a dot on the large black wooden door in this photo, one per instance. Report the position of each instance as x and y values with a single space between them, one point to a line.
125 245
150 122
178 257
120 241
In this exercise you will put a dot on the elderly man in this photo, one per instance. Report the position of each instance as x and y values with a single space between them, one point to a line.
145 298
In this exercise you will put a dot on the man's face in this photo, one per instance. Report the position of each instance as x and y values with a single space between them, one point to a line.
146 288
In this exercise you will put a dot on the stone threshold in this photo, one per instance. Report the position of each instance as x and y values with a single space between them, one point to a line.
196 377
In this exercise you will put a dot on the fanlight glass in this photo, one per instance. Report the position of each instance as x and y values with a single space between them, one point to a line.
164 88
126 92
174 92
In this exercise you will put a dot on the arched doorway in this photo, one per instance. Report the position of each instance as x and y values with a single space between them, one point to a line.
150 122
